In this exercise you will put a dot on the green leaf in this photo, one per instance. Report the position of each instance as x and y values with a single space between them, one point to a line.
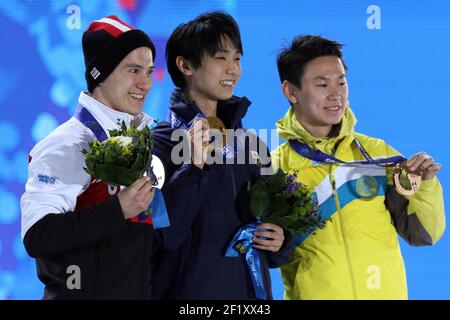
259 203
280 207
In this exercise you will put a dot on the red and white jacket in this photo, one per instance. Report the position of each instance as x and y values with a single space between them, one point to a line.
57 182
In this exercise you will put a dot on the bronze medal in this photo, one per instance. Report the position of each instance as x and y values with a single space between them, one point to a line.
406 183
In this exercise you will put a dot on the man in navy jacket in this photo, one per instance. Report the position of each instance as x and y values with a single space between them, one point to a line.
208 202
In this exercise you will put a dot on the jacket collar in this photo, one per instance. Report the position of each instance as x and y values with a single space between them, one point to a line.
108 117
230 111
290 128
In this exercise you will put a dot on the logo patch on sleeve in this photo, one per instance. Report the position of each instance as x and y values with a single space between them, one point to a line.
46 179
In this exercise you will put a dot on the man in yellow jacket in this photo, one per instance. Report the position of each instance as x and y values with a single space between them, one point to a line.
357 255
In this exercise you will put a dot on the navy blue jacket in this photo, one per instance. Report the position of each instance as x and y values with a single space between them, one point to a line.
206 208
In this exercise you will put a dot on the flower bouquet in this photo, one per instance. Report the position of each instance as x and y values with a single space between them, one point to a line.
121 159
281 200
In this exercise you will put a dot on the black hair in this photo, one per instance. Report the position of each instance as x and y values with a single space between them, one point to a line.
203 35
292 60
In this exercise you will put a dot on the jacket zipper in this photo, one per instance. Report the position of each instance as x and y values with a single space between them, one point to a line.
347 254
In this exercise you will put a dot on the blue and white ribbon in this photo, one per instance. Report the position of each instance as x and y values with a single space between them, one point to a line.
242 244
318 156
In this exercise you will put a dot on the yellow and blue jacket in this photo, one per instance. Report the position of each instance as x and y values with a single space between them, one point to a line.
357 255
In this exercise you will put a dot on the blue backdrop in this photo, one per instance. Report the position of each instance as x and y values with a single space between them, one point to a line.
397 53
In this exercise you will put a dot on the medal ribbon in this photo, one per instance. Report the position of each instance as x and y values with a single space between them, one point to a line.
242 244
316 155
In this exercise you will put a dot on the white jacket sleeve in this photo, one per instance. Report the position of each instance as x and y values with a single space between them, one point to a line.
55 176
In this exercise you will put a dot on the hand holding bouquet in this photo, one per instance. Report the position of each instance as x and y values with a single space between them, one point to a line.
281 200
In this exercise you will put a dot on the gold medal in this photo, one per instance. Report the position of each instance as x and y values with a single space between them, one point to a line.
217 124
406 183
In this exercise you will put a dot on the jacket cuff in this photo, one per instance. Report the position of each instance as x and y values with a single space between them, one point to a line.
428 185
115 214
276 259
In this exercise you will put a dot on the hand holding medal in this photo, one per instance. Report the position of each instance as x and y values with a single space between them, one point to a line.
217 125
409 174
198 136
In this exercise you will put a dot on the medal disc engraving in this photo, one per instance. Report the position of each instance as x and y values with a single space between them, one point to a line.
406 183
367 187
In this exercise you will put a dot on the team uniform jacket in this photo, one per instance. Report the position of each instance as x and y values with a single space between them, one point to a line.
74 226
357 255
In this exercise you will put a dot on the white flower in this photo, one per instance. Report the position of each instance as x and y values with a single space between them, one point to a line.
123 141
